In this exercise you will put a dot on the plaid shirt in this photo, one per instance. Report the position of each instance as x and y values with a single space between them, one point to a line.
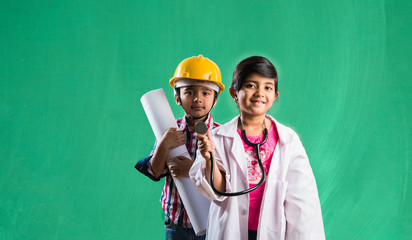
171 203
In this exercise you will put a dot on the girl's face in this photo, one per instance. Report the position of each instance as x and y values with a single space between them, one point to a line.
256 95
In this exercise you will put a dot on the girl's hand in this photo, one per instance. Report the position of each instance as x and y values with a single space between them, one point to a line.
205 145
180 166
172 138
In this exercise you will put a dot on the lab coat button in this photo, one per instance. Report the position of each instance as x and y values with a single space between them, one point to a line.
243 212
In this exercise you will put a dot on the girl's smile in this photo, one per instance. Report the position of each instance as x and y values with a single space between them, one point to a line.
257 102
256 95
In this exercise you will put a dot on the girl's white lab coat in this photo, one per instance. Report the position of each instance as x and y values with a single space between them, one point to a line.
290 207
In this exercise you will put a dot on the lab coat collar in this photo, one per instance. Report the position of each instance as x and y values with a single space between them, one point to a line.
230 130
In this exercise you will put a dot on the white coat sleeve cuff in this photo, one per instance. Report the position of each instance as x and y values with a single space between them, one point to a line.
198 176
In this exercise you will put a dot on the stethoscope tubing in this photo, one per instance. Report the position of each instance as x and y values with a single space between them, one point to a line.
257 149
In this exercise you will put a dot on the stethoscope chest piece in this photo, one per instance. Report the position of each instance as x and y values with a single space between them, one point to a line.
201 128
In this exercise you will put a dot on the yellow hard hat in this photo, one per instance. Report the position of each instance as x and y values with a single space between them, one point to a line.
198 68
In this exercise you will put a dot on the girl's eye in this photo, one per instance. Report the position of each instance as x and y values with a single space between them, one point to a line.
250 85
269 88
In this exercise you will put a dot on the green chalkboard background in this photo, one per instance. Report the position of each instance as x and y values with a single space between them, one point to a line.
72 127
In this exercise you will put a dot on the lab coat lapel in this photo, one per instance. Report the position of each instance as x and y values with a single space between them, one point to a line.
277 159
233 145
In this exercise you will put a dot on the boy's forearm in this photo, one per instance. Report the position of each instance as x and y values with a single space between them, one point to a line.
158 161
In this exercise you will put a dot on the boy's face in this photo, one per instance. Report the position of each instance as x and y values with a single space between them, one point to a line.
196 100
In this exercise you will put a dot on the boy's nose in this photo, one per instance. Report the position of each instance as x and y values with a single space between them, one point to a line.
197 98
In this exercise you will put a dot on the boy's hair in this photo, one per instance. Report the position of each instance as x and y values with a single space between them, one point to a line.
255 64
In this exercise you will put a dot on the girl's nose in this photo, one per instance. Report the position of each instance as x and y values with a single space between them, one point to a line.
259 91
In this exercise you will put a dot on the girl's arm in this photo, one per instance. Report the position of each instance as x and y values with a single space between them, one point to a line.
206 147
302 206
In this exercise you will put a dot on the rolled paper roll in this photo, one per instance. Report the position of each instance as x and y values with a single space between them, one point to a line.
161 118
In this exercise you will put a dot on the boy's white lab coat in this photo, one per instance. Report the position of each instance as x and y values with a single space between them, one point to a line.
290 207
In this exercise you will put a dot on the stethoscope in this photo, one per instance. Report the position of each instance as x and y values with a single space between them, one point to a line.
201 128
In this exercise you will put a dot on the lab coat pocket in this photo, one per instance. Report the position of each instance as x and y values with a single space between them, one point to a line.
272 212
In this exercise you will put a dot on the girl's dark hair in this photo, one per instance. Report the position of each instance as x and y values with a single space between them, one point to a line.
250 65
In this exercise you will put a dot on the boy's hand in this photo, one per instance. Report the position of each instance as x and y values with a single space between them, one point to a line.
180 166
205 145
172 138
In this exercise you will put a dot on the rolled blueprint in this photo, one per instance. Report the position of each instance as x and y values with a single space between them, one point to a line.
161 118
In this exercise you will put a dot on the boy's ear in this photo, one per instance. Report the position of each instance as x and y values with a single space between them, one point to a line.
177 99
214 103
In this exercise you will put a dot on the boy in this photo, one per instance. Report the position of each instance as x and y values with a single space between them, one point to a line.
197 83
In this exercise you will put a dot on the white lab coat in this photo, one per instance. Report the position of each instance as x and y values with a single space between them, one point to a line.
290 207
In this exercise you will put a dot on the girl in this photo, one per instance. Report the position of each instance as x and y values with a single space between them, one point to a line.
286 205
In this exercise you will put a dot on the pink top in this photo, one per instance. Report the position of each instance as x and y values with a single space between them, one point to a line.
254 172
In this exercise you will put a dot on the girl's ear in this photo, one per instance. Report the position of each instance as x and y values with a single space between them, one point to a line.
177 99
233 93
276 95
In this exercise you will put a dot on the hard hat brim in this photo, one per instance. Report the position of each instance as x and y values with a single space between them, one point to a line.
181 82
184 82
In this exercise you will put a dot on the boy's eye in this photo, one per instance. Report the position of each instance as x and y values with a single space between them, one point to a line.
188 92
268 88
250 85
206 93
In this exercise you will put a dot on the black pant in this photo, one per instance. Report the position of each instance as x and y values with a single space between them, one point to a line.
252 235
